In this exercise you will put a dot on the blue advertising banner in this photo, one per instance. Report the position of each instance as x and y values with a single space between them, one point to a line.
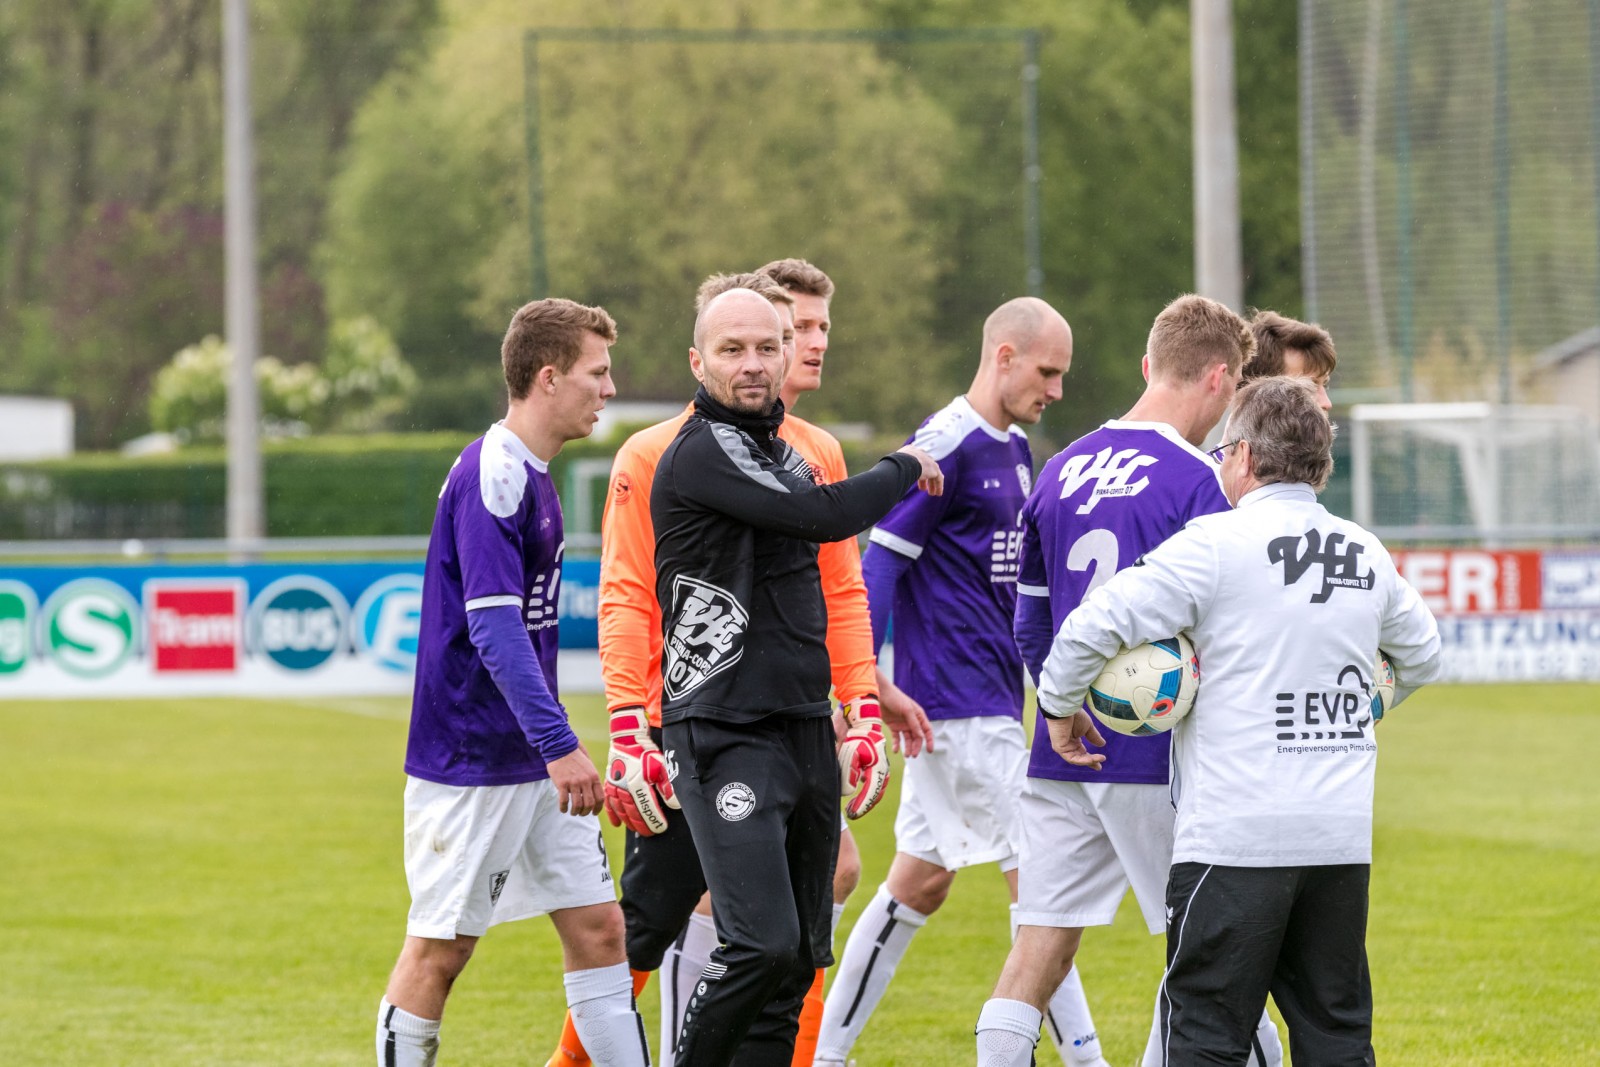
182 628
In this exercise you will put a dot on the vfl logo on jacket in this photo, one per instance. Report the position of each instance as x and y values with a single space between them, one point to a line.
1339 568
707 635
1111 472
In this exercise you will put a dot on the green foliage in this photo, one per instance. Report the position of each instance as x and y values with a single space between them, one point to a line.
363 384
202 839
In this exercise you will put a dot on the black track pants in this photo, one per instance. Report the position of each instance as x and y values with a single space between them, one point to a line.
1236 933
762 800
661 884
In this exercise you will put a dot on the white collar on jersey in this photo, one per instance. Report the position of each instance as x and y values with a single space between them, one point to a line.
984 424
1165 430
1287 490
510 442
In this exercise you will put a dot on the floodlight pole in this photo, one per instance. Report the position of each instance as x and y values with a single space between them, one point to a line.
1218 259
242 314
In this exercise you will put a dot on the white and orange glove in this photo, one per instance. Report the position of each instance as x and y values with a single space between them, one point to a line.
863 757
636 773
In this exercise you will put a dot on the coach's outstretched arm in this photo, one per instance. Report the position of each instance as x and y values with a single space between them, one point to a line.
716 469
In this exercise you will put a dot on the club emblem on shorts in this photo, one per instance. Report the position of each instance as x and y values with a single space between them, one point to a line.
735 801
670 757
497 882
707 635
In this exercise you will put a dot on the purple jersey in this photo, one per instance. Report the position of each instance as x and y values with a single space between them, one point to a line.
497 541
953 648
1101 503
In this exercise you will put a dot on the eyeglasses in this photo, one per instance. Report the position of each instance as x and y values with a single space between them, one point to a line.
1220 453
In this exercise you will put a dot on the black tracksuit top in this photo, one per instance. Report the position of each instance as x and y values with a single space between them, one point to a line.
738 516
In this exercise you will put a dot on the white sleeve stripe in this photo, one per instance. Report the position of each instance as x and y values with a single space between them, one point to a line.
1033 590
494 602
895 543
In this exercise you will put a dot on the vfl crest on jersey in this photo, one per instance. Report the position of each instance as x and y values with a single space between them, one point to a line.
707 635
1111 472
1025 479
1339 568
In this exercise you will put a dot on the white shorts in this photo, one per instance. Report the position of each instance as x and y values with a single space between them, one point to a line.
477 856
958 804
1085 843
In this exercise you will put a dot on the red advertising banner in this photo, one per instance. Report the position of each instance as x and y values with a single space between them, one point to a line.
1473 581
194 626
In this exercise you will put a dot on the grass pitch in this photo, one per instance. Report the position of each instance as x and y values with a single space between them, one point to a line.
219 882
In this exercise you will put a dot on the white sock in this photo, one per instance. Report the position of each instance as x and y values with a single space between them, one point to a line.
1069 1024
405 1040
1007 1032
876 944
1269 1041
838 917
608 1024
680 972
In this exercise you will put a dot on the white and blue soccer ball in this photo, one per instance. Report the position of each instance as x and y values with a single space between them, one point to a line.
1382 687
1147 690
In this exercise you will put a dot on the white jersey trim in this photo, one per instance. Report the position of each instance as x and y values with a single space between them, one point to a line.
494 602
1033 590
954 423
895 543
1165 430
503 463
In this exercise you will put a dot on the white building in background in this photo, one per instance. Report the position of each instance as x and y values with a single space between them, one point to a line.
34 427
1568 372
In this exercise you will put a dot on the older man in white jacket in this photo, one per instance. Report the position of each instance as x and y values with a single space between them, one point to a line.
1288 607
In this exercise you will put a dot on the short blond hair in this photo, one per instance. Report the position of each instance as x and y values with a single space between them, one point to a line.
1291 440
755 281
550 333
1193 334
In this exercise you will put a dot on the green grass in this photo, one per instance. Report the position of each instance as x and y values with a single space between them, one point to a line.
219 882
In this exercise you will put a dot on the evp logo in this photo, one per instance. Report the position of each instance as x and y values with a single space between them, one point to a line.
1342 713
1339 568
707 635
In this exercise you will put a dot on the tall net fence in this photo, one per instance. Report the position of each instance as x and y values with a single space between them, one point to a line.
1449 190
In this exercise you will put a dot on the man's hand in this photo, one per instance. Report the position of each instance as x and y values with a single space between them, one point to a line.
577 783
908 726
636 772
931 480
1067 737
863 758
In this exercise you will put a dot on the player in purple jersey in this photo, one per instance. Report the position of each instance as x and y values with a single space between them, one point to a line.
500 798
1100 504
945 569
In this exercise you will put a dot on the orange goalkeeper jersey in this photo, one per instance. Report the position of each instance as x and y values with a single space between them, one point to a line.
630 617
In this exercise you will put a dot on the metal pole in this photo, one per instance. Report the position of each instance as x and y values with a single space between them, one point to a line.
242 315
1031 173
538 269
1218 259
1308 159
1502 197
1594 137
1402 178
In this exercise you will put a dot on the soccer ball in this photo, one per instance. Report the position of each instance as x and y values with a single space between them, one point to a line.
1382 687
1146 690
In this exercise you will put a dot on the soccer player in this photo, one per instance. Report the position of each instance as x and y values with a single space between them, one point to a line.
661 878
1286 605
500 797
1100 504
745 674
945 569
1297 349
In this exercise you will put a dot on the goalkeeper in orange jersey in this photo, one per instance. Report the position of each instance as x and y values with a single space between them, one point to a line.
669 925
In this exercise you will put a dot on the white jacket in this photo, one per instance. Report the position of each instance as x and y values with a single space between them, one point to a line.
1287 606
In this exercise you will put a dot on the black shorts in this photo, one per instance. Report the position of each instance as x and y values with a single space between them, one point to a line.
661 884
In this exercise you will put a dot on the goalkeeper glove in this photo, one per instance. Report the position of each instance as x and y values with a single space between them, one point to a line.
636 773
863 757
